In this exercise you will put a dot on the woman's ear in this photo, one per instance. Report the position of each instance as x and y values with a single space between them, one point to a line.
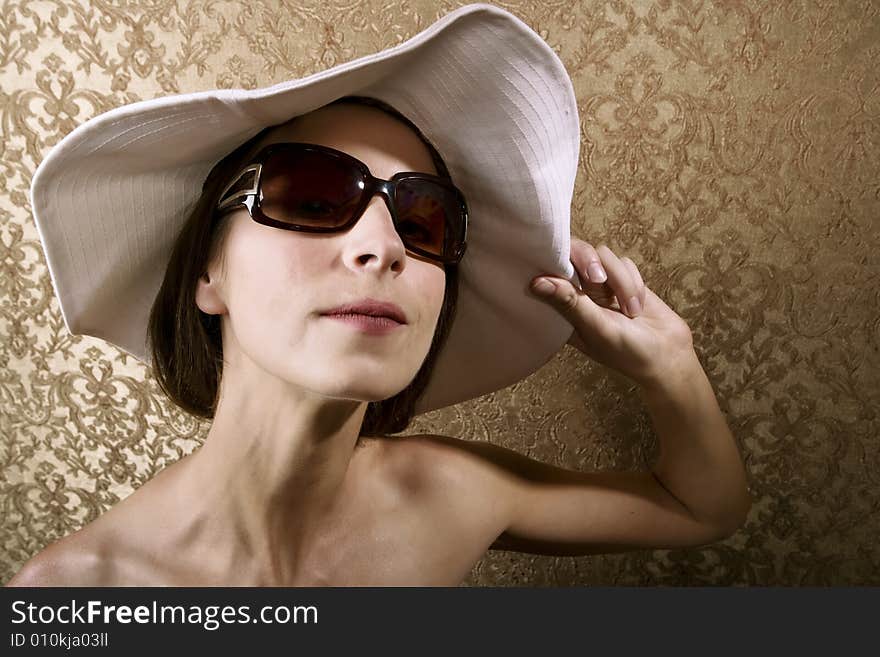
209 295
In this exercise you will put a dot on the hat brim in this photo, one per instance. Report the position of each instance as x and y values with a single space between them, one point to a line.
110 198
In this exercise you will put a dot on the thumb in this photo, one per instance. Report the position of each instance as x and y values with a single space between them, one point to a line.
573 304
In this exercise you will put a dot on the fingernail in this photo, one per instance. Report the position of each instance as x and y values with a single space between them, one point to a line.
543 286
634 306
597 274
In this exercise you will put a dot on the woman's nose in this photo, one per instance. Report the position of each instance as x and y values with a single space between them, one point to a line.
374 237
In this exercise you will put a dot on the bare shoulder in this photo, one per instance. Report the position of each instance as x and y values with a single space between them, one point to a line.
466 476
72 561
435 456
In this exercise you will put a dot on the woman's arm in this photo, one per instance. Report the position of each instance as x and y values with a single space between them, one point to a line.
695 494
540 508
699 462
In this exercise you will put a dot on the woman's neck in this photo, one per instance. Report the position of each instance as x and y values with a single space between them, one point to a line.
273 468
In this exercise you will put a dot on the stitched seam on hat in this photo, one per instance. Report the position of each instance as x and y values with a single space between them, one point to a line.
425 109
538 94
84 175
112 179
73 306
110 125
466 77
561 79
508 97
460 65
518 143
553 134
146 123
165 128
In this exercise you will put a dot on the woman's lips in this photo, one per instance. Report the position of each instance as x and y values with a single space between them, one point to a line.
367 323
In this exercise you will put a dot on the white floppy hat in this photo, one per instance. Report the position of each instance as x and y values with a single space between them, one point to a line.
110 198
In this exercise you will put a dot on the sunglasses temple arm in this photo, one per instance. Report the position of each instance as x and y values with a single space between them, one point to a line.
241 195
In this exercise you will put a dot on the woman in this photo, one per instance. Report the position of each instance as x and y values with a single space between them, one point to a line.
298 482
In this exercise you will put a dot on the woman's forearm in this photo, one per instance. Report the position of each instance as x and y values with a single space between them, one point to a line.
699 461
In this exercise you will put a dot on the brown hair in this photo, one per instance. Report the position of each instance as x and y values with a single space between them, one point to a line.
186 344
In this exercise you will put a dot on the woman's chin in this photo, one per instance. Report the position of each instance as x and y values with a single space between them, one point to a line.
360 393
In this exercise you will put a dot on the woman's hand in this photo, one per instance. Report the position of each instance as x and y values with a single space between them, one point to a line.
646 342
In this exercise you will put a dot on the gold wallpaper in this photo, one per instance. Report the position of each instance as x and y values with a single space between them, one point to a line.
731 148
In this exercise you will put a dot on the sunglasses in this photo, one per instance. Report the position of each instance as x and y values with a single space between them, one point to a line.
318 189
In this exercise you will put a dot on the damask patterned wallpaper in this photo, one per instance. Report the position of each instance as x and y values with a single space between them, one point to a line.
731 148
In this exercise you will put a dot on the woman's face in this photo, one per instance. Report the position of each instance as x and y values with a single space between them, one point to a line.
274 284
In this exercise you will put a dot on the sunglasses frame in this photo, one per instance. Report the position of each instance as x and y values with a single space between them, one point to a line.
251 195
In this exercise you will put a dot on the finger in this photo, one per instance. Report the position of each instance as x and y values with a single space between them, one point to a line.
640 284
573 304
619 279
587 262
592 276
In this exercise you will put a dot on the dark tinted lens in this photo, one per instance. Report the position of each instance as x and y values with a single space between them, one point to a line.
428 216
309 188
